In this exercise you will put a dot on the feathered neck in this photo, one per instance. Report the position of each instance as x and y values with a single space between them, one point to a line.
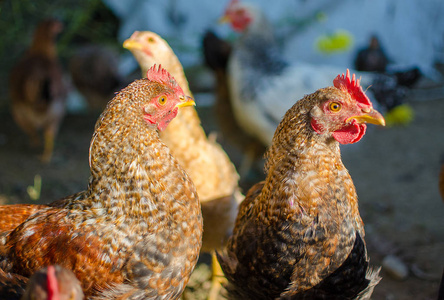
294 134
299 164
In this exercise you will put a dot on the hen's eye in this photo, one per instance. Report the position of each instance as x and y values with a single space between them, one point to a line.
150 40
335 106
162 100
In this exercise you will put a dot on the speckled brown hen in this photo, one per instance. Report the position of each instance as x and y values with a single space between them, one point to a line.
37 90
298 234
136 232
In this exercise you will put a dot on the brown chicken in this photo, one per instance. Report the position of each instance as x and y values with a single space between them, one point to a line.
136 232
298 234
37 90
204 160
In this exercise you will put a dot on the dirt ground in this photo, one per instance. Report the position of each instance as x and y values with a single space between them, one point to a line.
395 171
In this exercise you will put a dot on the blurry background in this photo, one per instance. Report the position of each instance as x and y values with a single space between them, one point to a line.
394 169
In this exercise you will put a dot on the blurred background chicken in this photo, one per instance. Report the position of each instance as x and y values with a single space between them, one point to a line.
137 229
216 53
299 234
263 84
371 58
37 88
204 159
94 72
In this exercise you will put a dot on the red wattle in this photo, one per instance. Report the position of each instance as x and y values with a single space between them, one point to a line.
350 134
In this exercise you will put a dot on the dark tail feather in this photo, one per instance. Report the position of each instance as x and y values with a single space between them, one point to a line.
216 51
387 91
409 77
392 89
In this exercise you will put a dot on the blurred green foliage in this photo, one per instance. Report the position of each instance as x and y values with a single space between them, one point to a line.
85 21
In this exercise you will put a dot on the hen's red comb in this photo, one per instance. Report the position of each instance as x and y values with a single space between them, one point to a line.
53 286
162 76
232 2
352 87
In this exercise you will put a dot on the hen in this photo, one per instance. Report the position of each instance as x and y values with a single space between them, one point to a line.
372 58
136 231
298 234
37 90
205 161
209 167
258 73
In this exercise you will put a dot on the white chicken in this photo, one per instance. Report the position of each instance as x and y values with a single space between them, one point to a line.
264 86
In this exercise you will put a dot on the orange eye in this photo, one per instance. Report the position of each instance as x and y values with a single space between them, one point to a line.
162 100
335 106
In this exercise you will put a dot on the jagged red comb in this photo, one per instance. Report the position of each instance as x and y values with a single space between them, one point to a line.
232 2
161 75
353 87
51 281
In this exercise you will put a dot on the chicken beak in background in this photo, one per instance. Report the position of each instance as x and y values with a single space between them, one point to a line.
131 44
224 19
185 101
372 117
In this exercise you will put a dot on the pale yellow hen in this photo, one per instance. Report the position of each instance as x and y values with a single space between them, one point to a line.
204 160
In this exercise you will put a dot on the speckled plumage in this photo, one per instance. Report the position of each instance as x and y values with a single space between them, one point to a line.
298 234
136 232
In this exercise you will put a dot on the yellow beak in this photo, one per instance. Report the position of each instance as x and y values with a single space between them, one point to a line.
372 117
224 19
131 44
185 101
